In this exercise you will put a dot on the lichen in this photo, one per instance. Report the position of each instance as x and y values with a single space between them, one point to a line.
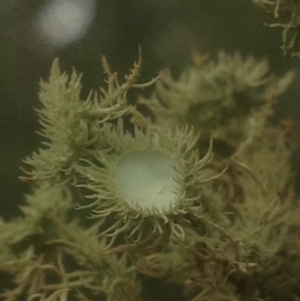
286 14
200 196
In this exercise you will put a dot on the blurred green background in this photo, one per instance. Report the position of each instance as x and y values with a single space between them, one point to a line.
33 33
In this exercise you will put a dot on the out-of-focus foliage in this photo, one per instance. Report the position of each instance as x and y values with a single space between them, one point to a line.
287 14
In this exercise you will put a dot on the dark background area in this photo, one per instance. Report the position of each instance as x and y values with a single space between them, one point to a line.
167 30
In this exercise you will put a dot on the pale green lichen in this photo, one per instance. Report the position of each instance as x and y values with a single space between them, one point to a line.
150 181
159 204
73 127
229 99
287 16
47 253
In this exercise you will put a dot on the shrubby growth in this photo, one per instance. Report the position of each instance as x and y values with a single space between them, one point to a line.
198 191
